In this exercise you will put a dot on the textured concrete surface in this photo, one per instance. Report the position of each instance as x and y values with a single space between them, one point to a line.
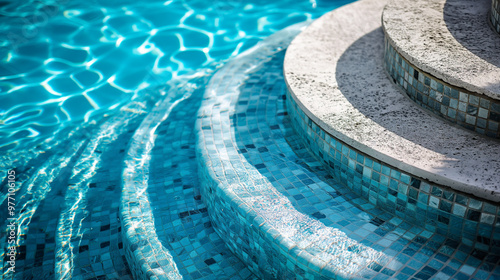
448 39
334 70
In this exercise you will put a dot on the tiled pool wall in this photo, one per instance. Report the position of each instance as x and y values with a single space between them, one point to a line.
246 233
266 253
138 251
439 209
495 15
473 111
252 214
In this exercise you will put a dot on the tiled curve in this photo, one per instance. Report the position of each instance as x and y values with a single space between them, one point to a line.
345 90
495 15
166 230
436 208
365 131
283 215
77 242
257 221
147 257
181 219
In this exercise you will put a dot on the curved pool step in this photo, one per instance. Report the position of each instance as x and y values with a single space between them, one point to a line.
283 214
34 185
445 56
83 168
88 240
495 15
167 232
351 99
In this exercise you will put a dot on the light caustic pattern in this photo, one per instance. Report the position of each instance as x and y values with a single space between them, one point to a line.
72 73
71 61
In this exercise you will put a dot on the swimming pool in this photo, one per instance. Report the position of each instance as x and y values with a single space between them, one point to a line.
72 61
78 80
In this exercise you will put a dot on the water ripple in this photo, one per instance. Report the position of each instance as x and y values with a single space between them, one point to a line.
99 54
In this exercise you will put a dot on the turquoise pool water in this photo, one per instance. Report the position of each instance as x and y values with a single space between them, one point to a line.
67 62
83 85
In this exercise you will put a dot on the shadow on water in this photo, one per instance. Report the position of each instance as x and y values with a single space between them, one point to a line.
468 23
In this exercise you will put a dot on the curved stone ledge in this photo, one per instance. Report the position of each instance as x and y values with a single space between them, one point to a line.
448 39
449 65
495 15
437 208
470 110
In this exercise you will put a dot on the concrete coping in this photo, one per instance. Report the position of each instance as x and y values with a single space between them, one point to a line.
334 71
449 39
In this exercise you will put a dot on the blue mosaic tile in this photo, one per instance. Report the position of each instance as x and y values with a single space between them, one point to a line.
457 105
403 196
182 223
86 242
308 176
495 15
166 229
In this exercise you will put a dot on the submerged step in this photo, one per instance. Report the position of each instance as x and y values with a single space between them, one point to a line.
280 211
446 57
166 230
340 86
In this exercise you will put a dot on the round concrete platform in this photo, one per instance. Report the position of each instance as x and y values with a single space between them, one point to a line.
334 71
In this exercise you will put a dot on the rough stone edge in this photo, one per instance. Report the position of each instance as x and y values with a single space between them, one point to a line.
452 121
426 68
482 193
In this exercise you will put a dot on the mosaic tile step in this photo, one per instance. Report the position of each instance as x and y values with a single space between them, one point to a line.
167 233
278 208
334 70
444 56
452 42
